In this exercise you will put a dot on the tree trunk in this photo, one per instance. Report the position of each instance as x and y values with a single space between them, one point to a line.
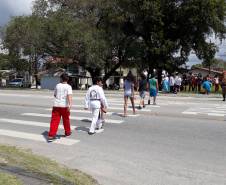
109 74
120 62
36 71
159 75
94 73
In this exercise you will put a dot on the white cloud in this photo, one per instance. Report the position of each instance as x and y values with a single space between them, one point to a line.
19 6
9 8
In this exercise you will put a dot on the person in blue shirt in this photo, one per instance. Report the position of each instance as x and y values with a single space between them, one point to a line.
206 85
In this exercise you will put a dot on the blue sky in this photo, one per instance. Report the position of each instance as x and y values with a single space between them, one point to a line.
9 8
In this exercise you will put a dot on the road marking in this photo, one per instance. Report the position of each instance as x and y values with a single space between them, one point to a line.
217 111
31 123
192 113
72 118
16 95
99 131
215 114
119 108
84 111
36 137
108 113
86 130
205 108
128 115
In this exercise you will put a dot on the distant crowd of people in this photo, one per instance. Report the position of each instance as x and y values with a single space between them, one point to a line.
191 82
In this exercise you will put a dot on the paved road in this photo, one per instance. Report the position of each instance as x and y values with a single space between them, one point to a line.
181 141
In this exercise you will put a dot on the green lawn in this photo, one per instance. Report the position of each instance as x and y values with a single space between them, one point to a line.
7 179
42 166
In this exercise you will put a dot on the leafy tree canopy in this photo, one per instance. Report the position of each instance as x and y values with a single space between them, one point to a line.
100 34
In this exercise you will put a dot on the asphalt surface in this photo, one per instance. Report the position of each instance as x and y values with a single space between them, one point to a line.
181 141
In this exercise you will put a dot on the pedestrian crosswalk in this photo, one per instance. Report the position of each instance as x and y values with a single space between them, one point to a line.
28 128
26 124
30 123
36 137
78 118
214 110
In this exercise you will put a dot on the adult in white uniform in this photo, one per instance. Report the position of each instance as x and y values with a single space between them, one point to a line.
95 100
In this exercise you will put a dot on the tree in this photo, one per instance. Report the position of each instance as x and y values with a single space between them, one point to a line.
25 37
98 45
159 34
170 27
4 62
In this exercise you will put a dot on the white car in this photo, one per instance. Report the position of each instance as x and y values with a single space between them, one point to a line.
17 82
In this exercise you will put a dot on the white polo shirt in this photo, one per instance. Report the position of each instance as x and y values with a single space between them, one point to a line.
62 90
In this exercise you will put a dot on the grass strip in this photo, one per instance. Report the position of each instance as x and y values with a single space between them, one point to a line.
43 167
8 179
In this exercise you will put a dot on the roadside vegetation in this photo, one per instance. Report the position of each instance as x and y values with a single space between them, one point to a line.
7 179
41 167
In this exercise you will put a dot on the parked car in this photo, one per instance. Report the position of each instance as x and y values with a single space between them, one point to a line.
17 82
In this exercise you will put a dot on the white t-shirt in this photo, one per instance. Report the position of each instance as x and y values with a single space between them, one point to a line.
178 81
94 97
172 81
216 80
60 93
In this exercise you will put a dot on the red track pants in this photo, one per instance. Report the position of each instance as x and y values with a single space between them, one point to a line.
57 112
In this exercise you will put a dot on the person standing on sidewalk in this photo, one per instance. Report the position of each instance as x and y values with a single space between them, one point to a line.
206 85
61 107
177 83
96 101
153 89
216 83
142 90
129 92
171 83
223 86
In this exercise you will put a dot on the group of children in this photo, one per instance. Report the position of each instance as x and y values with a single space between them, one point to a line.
150 85
96 102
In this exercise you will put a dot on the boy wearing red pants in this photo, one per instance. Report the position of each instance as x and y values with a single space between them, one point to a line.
61 107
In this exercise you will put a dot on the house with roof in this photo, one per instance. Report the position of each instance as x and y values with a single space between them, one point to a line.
205 71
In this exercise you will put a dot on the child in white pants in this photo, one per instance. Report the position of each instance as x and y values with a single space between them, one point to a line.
95 100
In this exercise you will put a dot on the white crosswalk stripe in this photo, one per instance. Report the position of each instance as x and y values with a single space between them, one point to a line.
121 108
31 123
79 118
36 137
108 113
114 103
217 111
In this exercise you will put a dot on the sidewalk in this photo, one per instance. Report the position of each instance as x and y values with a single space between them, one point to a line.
120 92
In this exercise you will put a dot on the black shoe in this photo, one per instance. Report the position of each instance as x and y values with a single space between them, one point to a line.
223 100
91 133
143 106
139 107
51 138
97 128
